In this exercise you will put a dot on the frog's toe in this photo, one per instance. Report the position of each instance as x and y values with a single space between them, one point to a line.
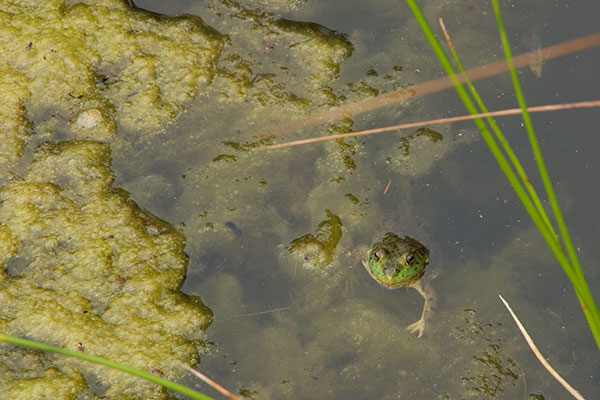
418 327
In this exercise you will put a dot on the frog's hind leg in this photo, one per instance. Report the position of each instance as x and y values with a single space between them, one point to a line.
426 290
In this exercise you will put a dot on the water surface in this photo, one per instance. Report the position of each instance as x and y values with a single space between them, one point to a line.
284 331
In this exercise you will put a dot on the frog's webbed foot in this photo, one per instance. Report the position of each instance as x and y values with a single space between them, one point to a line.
417 327
425 289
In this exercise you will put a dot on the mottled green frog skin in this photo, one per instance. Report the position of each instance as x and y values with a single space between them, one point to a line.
399 262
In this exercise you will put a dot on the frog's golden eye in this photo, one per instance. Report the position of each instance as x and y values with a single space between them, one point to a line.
410 259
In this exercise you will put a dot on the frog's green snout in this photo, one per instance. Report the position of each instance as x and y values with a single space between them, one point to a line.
390 272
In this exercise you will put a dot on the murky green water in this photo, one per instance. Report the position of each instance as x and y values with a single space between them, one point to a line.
295 326
284 331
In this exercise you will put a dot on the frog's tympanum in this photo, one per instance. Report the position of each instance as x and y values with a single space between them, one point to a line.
398 262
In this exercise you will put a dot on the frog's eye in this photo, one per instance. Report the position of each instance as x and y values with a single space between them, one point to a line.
410 259
377 255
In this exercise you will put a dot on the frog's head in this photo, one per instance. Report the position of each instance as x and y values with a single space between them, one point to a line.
397 262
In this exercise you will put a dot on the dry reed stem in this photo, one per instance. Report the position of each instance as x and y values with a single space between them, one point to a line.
212 383
433 86
274 310
539 356
512 111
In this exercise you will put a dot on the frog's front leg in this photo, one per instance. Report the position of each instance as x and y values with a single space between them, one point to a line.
426 290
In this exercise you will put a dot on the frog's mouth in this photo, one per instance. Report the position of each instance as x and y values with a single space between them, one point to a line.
410 281
391 273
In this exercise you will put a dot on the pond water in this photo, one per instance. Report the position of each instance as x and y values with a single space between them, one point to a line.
308 326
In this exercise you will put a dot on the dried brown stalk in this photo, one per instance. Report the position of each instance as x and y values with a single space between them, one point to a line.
539 355
512 111
433 86
212 383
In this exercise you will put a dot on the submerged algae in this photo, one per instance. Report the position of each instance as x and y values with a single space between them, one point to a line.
88 269
255 85
246 191
319 249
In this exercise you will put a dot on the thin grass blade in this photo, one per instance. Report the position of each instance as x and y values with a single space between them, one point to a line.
501 138
111 364
579 282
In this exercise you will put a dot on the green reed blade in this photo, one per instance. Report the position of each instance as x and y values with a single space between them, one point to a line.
580 284
505 145
496 151
111 364
543 225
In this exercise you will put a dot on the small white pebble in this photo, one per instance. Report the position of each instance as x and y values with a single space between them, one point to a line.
88 119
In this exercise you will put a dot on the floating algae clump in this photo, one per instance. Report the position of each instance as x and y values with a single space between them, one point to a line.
318 251
84 268
80 70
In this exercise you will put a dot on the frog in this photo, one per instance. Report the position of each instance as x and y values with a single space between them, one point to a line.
396 262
